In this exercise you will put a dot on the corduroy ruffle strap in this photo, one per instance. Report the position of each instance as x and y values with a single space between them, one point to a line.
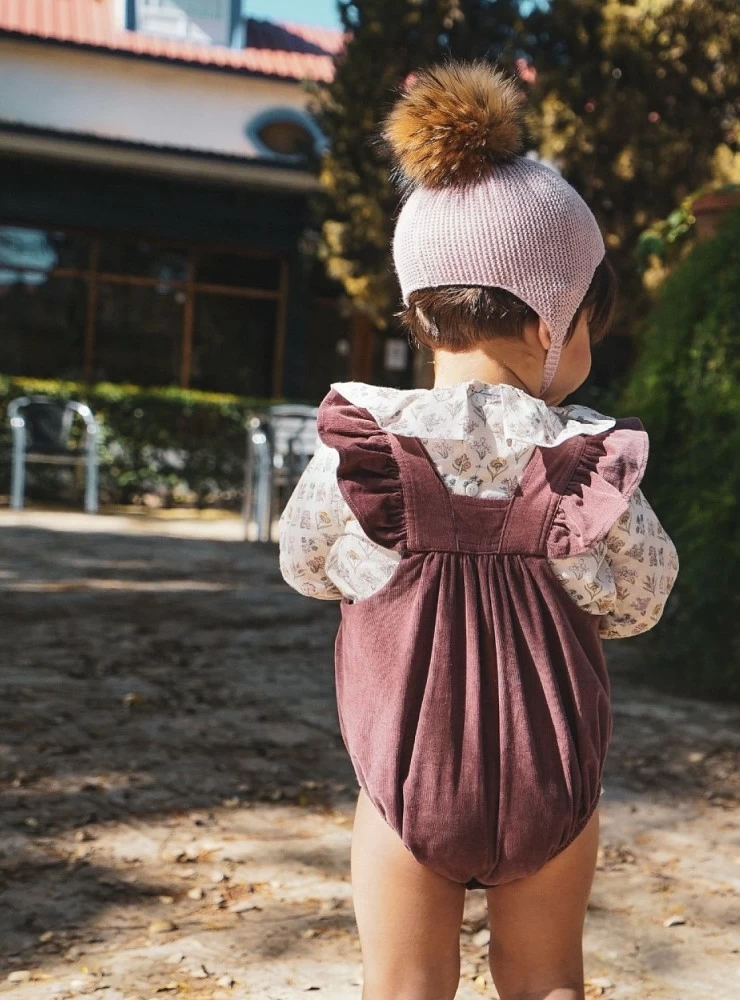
368 474
610 469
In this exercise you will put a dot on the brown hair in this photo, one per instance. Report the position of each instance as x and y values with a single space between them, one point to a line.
459 317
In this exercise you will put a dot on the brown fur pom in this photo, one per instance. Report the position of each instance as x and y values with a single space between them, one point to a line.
454 123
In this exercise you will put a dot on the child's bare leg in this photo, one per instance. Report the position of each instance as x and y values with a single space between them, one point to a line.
409 918
537 925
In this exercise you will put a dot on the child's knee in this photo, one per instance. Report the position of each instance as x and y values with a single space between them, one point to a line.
519 981
573 991
427 984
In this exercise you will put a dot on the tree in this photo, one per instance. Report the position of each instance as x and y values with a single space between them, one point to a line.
638 103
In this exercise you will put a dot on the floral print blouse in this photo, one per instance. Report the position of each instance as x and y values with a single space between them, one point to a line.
480 437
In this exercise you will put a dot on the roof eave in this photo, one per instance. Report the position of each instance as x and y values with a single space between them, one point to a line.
186 164
109 50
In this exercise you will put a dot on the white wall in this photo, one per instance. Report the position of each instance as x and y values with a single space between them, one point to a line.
116 97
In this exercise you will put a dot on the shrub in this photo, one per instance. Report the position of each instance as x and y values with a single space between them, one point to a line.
685 388
180 445
669 241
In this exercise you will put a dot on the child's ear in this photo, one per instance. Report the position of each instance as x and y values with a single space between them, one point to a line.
543 335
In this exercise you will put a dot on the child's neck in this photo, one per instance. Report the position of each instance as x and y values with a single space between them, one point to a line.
451 368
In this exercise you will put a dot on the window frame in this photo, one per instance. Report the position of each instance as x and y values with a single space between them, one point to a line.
94 277
271 116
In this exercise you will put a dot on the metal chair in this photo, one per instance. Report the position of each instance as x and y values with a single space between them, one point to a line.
42 429
280 443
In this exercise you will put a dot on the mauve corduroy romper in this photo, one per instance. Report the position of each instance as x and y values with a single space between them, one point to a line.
472 691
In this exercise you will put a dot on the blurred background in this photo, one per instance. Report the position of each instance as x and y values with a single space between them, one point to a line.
195 219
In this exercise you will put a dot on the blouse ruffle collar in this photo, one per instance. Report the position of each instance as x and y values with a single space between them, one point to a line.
506 416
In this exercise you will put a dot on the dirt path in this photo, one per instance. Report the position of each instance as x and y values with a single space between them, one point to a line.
177 803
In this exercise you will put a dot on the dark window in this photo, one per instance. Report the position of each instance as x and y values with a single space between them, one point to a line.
238 270
112 309
286 137
233 345
42 325
144 260
327 348
138 336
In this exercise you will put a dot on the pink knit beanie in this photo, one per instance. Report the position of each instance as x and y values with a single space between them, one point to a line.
478 212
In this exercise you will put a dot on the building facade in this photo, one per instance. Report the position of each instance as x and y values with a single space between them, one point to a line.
158 166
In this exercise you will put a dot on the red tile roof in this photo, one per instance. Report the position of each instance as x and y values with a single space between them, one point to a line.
292 52
294 37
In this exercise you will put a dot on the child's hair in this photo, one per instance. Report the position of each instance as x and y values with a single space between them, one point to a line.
457 317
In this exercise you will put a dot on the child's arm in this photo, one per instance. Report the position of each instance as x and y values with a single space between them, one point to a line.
627 577
313 519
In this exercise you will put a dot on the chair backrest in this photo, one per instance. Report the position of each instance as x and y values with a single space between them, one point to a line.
48 422
293 432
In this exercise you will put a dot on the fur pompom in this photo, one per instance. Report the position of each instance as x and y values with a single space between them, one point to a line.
454 123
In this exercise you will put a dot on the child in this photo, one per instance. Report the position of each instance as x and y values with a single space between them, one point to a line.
482 540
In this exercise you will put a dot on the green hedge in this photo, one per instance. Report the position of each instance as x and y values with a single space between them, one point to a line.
686 388
181 446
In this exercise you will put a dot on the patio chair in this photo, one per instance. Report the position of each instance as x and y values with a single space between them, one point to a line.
42 430
280 443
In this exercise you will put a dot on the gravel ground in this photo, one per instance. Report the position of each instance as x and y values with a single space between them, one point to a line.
177 803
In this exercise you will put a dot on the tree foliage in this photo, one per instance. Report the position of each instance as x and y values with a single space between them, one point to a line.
638 102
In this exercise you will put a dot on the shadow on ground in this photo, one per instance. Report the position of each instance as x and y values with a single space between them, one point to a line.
148 677
172 767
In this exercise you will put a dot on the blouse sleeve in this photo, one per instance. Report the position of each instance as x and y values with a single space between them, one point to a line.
644 565
607 547
627 577
314 518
